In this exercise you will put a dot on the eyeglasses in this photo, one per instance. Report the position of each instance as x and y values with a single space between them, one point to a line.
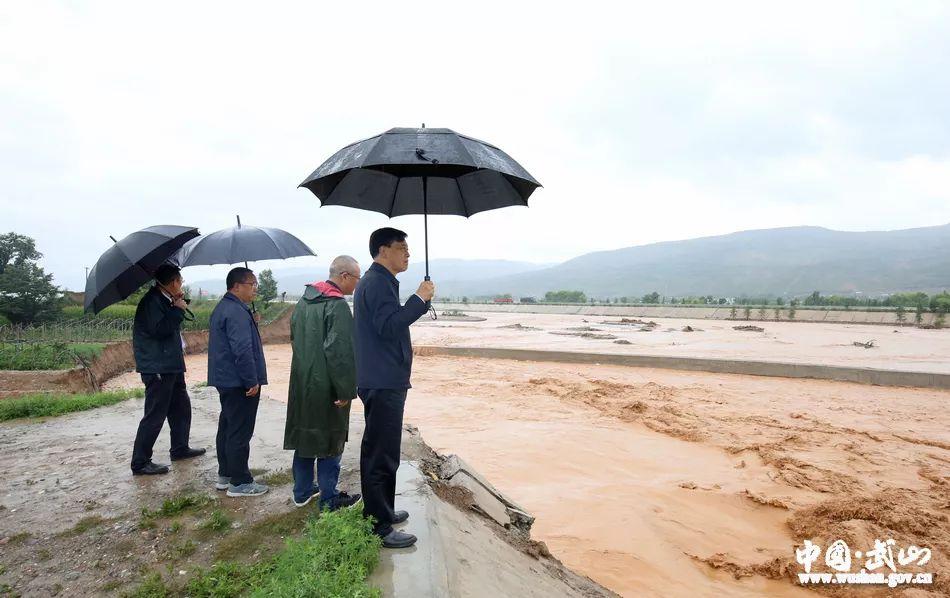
253 284
357 277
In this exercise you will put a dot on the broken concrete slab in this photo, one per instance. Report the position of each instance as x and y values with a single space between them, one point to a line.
488 499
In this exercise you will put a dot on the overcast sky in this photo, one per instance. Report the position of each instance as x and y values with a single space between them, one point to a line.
643 122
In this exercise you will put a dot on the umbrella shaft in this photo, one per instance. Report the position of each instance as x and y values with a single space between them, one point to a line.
425 219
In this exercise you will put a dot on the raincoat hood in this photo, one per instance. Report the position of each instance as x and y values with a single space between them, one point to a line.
317 292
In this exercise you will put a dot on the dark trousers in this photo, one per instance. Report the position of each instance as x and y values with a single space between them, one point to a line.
166 397
328 475
379 453
235 428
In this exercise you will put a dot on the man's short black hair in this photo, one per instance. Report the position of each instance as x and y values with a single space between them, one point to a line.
238 275
384 237
167 273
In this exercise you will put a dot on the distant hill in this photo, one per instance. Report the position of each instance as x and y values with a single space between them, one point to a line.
781 261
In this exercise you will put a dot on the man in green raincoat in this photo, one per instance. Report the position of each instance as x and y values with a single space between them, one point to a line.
322 384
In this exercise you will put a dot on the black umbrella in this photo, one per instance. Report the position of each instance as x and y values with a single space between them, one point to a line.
421 171
130 263
241 244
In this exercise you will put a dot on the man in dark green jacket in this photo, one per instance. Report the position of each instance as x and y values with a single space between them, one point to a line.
322 384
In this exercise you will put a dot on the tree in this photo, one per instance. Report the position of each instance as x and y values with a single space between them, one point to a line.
653 297
748 312
266 286
565 297
732 313
791 309
27 293
901 316
778 313
940 303
919 314
465 300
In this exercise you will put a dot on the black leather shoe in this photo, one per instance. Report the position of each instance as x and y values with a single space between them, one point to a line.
151 469
188 454
400 516
398 540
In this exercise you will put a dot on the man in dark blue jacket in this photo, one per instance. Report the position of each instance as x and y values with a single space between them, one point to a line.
383 367
159 357
236 368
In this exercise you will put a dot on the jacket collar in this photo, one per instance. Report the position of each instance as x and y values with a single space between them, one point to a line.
232 297
377 267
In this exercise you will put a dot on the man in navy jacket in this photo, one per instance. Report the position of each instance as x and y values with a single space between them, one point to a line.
236 368
383 367
159 357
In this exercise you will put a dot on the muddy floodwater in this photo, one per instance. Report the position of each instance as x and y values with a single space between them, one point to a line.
657 482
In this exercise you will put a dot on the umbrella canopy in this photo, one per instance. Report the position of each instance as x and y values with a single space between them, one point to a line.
130 263
421 171
241 244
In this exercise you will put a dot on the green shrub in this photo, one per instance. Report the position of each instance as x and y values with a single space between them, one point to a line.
46 356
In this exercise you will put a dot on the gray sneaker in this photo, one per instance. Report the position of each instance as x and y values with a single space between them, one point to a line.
222 483
249 489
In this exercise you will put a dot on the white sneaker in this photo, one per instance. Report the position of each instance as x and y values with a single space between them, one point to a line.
222 483
249 489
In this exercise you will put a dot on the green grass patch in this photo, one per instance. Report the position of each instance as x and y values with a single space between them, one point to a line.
19 538
277 478
151 587
217 522
180 550
47 405
244 543
46 356
84 525
334 556
110 586
172 507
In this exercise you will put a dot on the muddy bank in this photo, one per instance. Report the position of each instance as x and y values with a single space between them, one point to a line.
71 521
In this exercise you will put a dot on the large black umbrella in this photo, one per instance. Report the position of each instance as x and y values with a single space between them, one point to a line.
130 263
421 171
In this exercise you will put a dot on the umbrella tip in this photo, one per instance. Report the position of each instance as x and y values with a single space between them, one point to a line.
113 239
239 220
423 125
